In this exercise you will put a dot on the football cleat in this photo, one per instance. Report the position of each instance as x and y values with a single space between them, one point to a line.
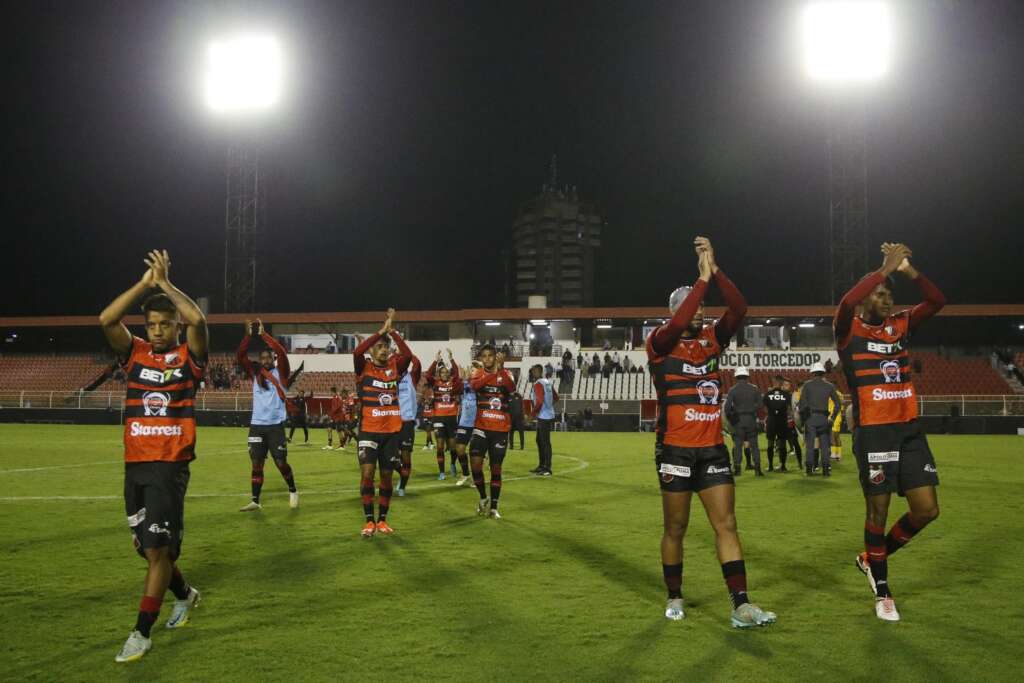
328 447
495 514
482 506
251 506
293 499
369 529
749 615
440 476
865 567
400 491
462 480
383 528
182 609
544 473
674 609
133 648
885 609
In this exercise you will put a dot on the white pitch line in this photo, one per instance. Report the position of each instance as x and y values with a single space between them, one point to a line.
582 464
61 467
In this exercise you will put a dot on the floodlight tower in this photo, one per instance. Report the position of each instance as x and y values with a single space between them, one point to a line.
242 81
847 46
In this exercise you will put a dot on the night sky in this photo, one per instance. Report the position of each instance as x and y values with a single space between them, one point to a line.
413 130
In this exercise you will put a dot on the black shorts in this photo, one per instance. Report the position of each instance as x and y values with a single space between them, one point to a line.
154 500
352 425
893 458
776 428
378 449
447 427
264 439
299 420
337 426
463 435
491 444
692 469
407 436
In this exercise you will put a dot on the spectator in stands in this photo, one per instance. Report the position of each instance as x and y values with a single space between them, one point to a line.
331 348
616 361
627 364
588 419
507 350
579 360
549 370
607 346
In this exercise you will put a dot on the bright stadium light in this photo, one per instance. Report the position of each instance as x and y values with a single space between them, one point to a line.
539 322
847 42
243 74
492 323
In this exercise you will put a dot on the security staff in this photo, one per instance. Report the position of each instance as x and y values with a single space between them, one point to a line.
741 406
816 418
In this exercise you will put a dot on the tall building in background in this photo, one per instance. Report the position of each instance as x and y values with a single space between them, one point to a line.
554 246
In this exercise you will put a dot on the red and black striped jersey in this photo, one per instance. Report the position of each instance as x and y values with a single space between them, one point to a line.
493 390
689 386
159 418
876 362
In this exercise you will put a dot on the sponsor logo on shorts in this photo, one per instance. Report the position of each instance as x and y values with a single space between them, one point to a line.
886 456
138 518
367 444
876 475
479 432
692 415
719 470
139 429
879 394
157 529
676 470
438 425
930 468
707 392
890 371
255 439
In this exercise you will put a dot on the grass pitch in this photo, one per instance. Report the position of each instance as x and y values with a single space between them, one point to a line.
566 587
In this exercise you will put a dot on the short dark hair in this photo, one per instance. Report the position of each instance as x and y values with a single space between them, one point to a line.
780 378
538 366
158 302
486 347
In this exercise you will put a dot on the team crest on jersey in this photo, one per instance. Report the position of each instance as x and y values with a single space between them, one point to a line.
154 404
889 330
707 393
705 343
386 399
494 404
171 357
890 371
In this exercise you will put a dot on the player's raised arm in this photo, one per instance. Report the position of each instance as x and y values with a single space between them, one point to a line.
196 333
117 334
242 355
736 304
283 365
934 299
665 337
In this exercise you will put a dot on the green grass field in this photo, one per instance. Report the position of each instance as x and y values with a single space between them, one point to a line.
566 587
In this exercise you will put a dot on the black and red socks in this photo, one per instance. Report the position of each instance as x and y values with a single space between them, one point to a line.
178 585
673 574
149 610
366 493
901 533
735 574
874 544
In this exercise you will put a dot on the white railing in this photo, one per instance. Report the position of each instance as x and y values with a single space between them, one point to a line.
629 395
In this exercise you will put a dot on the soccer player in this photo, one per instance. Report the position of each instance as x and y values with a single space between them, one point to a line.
446 384
515 406
427 417
380 427
776 403
493 385
266 427
544 399
338 418
890 446
300 405
407 406
159 435
689 454
467 418
354 412
819 407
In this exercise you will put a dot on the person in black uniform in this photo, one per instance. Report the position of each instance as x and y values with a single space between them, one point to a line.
298 417
777 402
791 435
515 405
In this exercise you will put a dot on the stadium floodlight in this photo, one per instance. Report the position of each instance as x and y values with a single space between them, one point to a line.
806 324
492 323
755 325
538 322
243 74
846 42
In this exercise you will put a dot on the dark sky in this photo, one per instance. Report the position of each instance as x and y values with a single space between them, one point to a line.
413 130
